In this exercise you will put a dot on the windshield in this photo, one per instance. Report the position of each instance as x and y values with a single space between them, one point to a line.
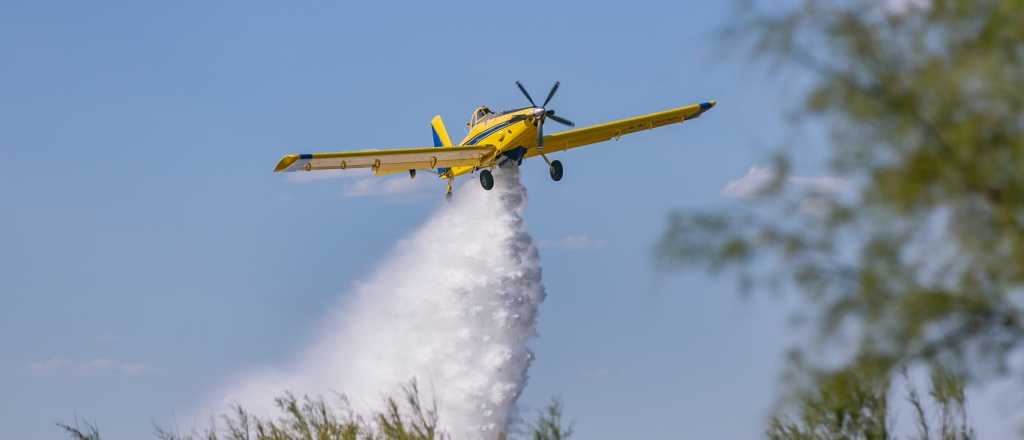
481 114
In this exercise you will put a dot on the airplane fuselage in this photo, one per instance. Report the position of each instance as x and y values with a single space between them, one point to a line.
513 134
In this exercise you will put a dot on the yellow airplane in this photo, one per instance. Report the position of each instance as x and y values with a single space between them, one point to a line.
494 139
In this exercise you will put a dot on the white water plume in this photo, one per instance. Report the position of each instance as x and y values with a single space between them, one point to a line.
453 307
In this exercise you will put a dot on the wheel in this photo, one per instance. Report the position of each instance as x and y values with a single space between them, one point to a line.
556 170
486 179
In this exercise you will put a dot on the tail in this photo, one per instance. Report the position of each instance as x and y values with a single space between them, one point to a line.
441 138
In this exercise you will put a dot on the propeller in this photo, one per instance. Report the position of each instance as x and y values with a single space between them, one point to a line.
523 89
543 113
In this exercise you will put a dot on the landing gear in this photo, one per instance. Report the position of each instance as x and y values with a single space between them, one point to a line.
555 169
448 192
486 179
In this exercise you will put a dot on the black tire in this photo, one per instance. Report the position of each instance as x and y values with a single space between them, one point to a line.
486 179
556 170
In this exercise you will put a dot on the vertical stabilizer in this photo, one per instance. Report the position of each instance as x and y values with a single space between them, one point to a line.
441 138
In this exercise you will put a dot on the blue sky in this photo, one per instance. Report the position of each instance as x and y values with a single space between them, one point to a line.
149 253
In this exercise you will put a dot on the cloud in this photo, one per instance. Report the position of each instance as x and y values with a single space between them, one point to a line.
301 177
49 365
758 178
900 7
59 365
373 186
748 186
575 242
361 182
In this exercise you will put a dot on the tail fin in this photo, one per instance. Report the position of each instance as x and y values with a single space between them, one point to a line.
441 138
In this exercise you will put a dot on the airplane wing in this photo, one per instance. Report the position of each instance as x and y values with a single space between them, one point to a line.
602 132
387 161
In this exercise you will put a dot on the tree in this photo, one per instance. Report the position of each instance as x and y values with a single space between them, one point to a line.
921 261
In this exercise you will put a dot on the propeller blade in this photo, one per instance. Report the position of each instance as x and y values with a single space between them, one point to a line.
523 89
540 133
560 120
551 94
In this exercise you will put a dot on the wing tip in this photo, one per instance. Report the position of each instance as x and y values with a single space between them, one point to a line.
702 107
286 162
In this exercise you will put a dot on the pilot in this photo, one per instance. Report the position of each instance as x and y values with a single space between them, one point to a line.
479 115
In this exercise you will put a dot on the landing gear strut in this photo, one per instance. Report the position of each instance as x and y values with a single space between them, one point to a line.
555 169
486 179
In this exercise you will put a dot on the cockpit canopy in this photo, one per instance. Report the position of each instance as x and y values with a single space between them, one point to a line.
479 115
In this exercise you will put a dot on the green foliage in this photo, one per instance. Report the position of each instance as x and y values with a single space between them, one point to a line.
854 404
549 425
849 404
921 260
315 419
